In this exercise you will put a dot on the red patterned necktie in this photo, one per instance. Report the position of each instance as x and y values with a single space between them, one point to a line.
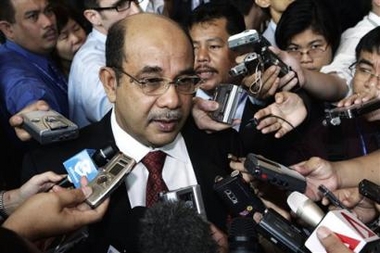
154 162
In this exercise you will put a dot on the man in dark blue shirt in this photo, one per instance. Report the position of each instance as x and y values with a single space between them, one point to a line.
27 72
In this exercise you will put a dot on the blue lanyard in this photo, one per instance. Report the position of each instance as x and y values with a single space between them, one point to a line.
52 79
362 141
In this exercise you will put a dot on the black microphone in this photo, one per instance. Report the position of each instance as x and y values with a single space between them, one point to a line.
176 228
242 236
103 155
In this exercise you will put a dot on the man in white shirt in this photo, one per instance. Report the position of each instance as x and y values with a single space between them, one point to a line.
87 99
345 55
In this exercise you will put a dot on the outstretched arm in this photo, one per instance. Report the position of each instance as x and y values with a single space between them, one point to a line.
49 214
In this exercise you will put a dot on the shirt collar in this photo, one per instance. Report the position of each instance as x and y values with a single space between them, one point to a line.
131 147
374 18
39 59
99 36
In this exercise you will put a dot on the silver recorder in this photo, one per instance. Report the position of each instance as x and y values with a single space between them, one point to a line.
191 195
227 95
245 40
109 178
49 126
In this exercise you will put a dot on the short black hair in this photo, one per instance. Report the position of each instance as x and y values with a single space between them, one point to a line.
369 43
64 11
305 14
7 11
215 10
88 4
115 53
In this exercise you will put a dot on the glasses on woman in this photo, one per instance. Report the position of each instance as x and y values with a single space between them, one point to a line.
314 51
119 6
155 86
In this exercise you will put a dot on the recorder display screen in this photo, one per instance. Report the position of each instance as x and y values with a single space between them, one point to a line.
116 169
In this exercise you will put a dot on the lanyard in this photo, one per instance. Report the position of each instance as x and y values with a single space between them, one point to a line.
61 80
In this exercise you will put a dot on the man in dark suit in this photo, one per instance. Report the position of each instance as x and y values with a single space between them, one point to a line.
149 77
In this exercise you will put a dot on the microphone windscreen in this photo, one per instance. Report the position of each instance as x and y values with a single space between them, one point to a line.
242 236
174 227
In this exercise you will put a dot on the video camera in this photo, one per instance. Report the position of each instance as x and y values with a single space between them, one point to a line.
249 41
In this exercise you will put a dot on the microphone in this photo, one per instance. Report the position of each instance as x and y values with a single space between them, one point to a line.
242 236
86 163
305 208
351 231
103 155
173 226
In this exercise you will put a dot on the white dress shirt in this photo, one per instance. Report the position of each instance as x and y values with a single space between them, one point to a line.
178 171
345 55
87 99
269 33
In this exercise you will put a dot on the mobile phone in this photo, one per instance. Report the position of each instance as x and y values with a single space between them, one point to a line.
370 190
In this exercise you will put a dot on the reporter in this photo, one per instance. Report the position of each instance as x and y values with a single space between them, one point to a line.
63 211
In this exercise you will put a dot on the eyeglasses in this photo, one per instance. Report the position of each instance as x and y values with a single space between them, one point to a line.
363 72
155 86
119 6
314 51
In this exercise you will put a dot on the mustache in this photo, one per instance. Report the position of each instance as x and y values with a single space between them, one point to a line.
50 30
205 68
166 115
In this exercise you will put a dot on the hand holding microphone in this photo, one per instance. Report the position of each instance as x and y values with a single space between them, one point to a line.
331 241
343 223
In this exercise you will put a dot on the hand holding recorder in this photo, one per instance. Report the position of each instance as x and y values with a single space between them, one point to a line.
63 211
16 121
258 60
114 167
49 126
274 173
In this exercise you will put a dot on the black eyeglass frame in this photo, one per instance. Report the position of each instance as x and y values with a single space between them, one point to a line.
117 6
